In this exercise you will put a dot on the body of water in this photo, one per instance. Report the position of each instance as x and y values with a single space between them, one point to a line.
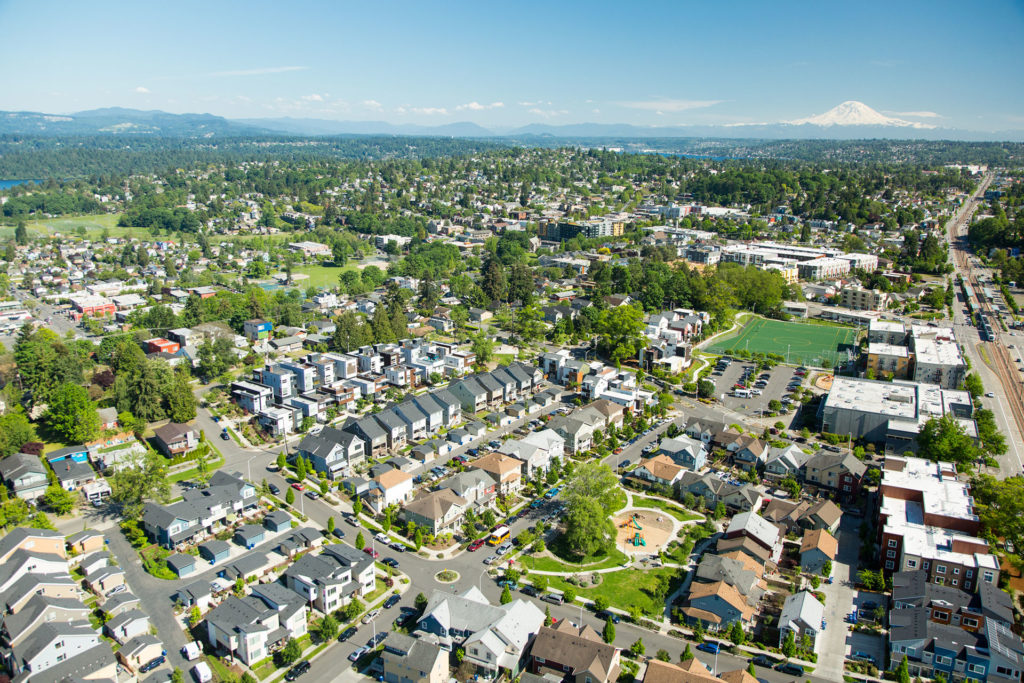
4 184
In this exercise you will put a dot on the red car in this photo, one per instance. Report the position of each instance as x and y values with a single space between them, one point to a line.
476 545
739 386
298 487
371 552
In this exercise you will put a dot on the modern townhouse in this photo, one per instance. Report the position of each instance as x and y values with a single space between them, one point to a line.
333 451
471 394
494 638
577 434
200 511
280 380
21 563
251 396
394 427
346 366
42 541
432 409
371 433
332 578
40 609
305 378
48 646
413 660
959 635
247 627
841 472
416 420
752 525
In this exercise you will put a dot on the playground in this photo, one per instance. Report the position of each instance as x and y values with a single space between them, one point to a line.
643 532
796 342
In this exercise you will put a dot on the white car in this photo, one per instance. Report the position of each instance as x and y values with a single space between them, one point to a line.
382 538
370 616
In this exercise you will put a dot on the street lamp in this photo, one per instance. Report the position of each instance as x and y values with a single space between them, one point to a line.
248 467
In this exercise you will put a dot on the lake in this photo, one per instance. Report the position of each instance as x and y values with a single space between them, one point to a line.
4 184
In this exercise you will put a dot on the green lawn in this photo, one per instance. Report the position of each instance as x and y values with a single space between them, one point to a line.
625 589
550 564
320 276
188 474
93 223
674 510
804 343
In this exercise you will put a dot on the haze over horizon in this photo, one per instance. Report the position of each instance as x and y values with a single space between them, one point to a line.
943 65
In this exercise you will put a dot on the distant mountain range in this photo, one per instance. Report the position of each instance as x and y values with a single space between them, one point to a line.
849 120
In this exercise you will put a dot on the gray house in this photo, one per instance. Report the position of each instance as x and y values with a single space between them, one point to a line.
333 451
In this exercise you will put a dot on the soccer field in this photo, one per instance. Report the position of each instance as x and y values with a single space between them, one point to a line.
805 344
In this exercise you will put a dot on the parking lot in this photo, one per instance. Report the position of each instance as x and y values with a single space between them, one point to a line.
776 387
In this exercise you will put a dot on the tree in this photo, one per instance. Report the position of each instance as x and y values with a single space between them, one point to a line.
621 329
289 495
736 633
181 402
540 582
569 595
21 232
751 670
588 529
488 518
686 655
973 385
547 616
944 439
609 631
360 541
239 588
291 652
59 499
789 644
15 432
353 609
327 629
420 602
300 468
281 461
72 415
144 477
506 595
705 388
195 615
177 676
826 568
637 648
357 507
330 524
903 671
600 603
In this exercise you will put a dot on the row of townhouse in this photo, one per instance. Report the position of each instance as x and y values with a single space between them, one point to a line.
45 628
578 427
201 511
949 632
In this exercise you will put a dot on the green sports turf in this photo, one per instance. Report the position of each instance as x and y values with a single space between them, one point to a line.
806 344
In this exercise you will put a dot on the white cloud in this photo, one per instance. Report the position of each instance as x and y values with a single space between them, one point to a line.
596 111
476 106
372 104
429 111
536 103
917 114
313 98
258 72
142 90
666 105
549 113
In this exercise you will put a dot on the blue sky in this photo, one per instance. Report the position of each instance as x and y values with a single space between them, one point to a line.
951 64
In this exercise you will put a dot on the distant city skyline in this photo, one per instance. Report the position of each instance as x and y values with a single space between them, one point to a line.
943 64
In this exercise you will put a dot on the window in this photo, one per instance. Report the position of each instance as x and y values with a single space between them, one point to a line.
540 660
940 569
846 488
970 623
955 582
969 574
911 564
892 542
976 668
939 581
967 585
888 564
926 565
956 571
890 553
989 576
940 616
939 659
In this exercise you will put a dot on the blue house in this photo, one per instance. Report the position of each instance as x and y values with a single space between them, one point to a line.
278 520
77 453
214 551
686 452
182 564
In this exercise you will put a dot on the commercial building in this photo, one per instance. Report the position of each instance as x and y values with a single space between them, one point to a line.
890 413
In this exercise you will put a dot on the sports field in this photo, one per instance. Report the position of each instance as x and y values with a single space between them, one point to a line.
805 344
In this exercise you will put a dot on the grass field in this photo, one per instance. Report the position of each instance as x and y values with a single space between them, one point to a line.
93 224
807 344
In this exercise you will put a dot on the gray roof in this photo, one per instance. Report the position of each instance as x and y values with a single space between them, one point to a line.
115 602
139 643
368 426
429 403
215 547
196 590
239 614
30 583
79 667
19 558
180 561
323 443
72 470
126 618
245 564
36 607
278 517
247 532
16 535
78 536
390 419
44 634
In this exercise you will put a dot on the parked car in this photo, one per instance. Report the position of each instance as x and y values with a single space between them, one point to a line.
553 598
765 661
860 656
296 671
790 668
376 639
152 664
605 615
347 633
397 546
298 487
275 489
338 533
117 589
312 495
371 552
390 562
392 601
350 519
382 538
529 590
225 436
362 650
708 646
370 616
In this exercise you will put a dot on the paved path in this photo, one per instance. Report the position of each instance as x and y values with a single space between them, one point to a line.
831 645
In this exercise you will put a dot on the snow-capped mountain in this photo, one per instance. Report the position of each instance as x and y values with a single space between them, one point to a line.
853 113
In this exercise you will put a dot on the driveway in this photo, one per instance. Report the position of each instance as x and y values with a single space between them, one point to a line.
831 645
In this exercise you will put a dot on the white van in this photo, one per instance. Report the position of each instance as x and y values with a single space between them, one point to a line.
201 672
191 651
741 393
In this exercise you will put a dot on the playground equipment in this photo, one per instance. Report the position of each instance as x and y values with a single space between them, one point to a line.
631 523
638 540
